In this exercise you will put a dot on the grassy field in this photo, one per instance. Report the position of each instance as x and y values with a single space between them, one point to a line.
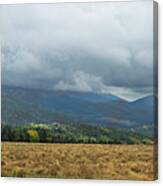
78 161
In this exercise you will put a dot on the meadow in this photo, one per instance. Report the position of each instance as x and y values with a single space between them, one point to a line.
89 161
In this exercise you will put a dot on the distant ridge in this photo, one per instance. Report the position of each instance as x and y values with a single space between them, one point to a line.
25 105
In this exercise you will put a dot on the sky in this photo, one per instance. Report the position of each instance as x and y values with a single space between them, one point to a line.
91 47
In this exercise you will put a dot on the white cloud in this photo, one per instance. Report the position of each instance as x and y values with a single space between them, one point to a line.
85 46
90 83
82 81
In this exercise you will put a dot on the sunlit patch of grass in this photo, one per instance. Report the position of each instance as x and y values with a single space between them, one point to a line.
90 161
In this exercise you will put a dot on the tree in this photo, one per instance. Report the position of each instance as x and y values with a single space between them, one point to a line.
33 135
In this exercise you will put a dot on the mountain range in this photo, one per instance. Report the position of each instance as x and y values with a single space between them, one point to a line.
25 105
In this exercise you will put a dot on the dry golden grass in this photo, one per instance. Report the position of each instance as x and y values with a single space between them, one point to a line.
78 161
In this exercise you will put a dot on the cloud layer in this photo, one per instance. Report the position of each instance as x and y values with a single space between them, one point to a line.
100 47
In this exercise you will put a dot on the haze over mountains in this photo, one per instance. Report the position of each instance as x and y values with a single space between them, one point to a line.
79 60
24 105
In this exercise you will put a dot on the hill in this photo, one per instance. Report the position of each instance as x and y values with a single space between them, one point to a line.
22 106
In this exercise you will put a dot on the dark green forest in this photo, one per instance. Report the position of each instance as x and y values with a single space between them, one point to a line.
76 133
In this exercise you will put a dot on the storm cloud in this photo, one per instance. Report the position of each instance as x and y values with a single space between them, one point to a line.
100 47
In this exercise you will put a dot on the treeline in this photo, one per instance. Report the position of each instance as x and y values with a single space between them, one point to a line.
71 133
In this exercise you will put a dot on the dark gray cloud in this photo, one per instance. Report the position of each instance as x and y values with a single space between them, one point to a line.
102 47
